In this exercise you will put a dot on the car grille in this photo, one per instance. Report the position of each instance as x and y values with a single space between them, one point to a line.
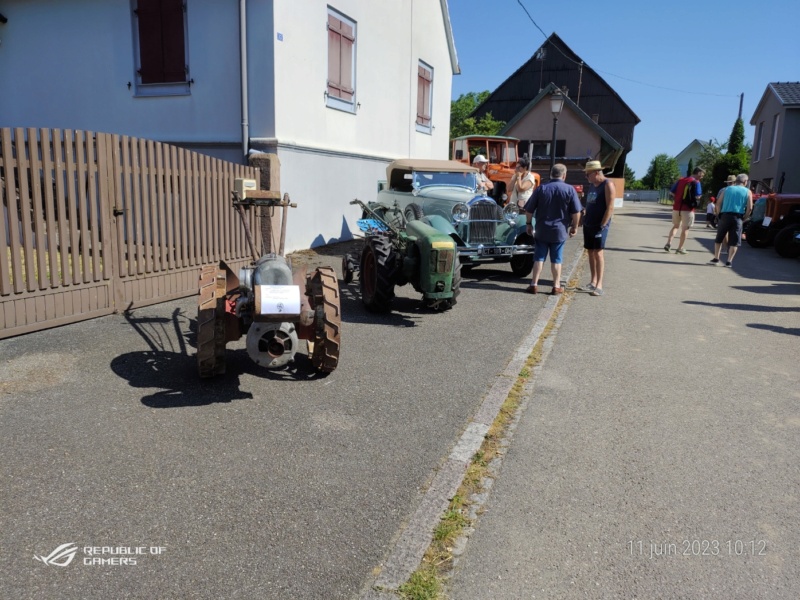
483 218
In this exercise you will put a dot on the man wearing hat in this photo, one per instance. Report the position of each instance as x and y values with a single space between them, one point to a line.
485 184
596 221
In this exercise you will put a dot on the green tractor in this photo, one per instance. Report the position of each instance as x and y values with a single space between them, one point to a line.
399 252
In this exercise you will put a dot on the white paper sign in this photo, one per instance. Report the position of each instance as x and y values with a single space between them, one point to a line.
766 221
278 299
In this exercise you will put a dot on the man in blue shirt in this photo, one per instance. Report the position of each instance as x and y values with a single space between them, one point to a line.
734 204
557 209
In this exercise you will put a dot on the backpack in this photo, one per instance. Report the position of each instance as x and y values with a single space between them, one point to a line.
689 200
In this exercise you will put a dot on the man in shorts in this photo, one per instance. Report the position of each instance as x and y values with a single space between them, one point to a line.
683 215
557 209
596 221
733 206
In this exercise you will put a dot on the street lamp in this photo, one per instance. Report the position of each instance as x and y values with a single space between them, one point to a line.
556 104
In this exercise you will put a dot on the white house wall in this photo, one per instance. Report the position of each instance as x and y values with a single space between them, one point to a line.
329 156
69 64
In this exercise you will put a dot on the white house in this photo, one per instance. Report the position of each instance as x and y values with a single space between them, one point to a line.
337 89
690 154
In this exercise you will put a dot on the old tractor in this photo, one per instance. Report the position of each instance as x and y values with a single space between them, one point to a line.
266 301
397 252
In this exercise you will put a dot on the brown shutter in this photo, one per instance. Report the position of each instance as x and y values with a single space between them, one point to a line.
340 59
161 41
424 79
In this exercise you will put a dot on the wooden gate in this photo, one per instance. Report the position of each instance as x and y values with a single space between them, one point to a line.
95 223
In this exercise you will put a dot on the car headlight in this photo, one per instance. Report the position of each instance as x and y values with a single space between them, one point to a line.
460 212
511 212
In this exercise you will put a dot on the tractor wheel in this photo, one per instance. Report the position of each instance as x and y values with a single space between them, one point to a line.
211 322
522 264
378 272
758 236
785 244
347 272
327 320
413 212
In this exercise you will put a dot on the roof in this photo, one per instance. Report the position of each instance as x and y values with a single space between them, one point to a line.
703 144
451 43
428 165
502 138
787 93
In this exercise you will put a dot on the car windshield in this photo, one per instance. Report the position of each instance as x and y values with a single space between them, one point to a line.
447 178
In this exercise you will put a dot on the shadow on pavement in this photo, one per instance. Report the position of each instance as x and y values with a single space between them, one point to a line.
775 328
747 307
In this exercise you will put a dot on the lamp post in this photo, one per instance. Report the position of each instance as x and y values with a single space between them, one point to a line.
556 104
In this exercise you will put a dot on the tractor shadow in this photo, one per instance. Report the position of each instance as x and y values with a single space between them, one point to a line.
170 368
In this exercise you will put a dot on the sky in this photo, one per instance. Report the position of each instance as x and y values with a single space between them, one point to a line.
680 67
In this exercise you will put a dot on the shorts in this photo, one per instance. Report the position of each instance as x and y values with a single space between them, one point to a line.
682 218
556 250
590 239
730 225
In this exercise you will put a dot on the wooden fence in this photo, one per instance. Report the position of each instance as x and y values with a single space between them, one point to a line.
95 223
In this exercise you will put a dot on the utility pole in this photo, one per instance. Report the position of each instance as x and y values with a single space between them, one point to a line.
741 101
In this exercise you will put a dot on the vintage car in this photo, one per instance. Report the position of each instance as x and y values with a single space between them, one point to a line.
442 194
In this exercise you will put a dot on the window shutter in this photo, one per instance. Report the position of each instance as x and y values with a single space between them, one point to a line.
148 13
424 79
173 42
340 59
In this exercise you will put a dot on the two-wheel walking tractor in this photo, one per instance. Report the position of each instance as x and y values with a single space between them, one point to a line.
266 301
397 252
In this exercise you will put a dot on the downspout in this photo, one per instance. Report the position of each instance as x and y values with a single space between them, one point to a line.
243 63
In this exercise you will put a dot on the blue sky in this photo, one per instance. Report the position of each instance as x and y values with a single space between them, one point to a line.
704 53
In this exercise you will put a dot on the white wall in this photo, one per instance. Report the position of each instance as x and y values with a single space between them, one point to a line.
69 64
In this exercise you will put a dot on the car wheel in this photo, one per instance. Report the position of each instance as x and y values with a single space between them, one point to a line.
522 264
413 212
785 244
378 272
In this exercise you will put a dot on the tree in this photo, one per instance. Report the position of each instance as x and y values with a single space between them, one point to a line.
662 173
630 180
690 168
737 160
461 123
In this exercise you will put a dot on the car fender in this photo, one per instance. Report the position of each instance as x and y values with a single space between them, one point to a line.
439 223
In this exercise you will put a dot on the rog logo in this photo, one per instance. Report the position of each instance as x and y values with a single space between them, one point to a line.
60 557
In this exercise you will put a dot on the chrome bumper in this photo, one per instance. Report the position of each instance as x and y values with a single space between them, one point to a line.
484 252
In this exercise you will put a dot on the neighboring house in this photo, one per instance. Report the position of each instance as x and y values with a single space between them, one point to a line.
593 107
776 151
337 89
690 154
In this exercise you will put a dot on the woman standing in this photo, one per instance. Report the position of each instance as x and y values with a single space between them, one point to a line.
522 183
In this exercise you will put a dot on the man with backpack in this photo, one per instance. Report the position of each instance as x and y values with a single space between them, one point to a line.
686 195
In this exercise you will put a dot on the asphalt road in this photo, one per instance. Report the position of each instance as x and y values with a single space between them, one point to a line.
657 456
255 485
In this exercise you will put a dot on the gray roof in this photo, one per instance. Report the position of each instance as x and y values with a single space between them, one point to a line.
788 93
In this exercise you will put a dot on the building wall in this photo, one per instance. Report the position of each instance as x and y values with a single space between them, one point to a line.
537 124
69 64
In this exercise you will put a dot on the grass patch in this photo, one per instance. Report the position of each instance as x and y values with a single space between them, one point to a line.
426 583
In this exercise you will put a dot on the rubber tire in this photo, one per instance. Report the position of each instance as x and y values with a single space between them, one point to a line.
413 212
785 245
327 320
522 264
378 273
758 236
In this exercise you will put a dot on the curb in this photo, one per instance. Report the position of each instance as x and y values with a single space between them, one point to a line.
415 538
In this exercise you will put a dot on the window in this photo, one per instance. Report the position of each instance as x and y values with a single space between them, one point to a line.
774 139
759 137
424 97
541 148
160 42
341 92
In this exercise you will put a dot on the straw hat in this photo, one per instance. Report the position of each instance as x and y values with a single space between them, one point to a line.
730 180
593 165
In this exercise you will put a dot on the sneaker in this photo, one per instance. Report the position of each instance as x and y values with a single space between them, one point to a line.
728 264
714 260
681 251
666 247
587 288
596 292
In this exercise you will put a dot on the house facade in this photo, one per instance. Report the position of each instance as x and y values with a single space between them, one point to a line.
516 100
776 148
690 155
336 90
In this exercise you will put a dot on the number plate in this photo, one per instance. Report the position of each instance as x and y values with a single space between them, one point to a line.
493 251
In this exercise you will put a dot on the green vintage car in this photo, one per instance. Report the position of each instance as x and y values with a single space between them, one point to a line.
442 194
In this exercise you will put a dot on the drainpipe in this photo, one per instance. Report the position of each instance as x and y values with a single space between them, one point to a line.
243 62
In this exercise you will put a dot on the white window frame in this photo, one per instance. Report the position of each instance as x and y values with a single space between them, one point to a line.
421 127
178 88
333 101
774 141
